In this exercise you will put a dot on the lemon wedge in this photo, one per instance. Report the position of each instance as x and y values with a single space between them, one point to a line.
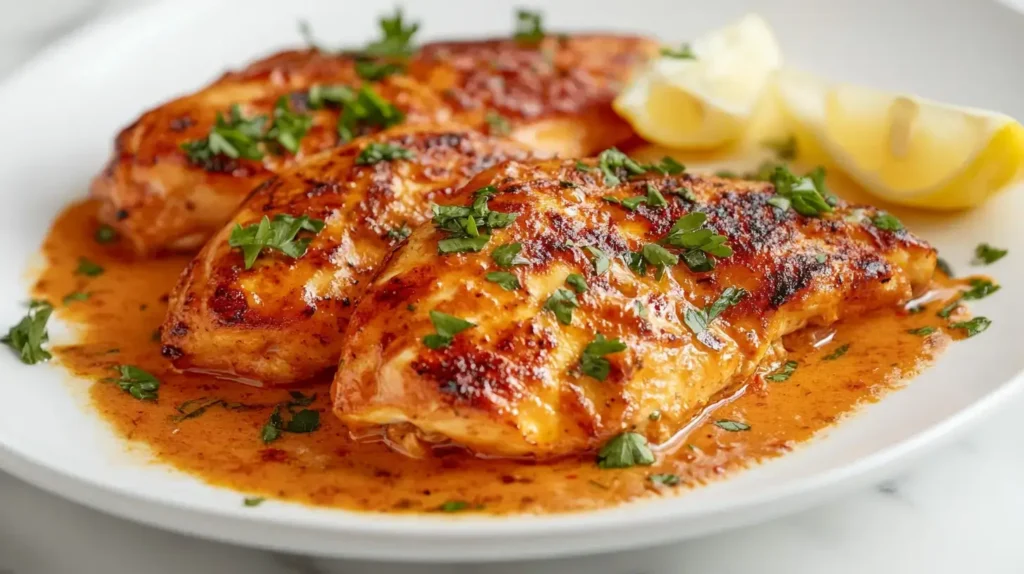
902 148
703 98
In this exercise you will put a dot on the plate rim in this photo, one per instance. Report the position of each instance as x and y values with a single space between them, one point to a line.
590 529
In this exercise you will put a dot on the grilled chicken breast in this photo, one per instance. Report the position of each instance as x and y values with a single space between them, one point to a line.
555 96
280 321
534 375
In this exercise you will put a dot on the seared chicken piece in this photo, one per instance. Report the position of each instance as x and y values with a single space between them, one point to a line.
280 321
555 96
525 380
160 200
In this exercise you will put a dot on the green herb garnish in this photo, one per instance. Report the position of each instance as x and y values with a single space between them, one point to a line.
374 71
105 234
686 234
624 451
592 361
699 320
29 335
974 326
944 266
396 38
507 255
289 127
504 279
922 331
839 352
88 268
980 288
599 259
467 225
561 303
886 222
665 479
577 282
75 296
684 52
783 373
453 506
253 501
497 124
400 234
985 254
732 426
235 137
447 326
806 195
529 27
277 234
137 382
378 152
785 149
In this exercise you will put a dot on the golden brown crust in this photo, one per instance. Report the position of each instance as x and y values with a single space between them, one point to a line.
159 201
279 322
511 385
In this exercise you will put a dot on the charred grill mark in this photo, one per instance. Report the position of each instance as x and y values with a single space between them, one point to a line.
229 305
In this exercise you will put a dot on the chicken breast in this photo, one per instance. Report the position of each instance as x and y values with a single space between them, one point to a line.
555 95
558 333
279 320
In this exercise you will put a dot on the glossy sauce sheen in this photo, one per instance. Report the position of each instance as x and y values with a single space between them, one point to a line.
222 446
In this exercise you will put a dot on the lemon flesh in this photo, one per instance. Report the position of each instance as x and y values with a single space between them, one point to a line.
902 148
704 102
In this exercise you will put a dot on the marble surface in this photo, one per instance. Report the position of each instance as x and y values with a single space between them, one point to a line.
961 509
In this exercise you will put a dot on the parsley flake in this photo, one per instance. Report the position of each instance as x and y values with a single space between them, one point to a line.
985 254
592 361
29 335
944 266
839 352
783 373
251 501
277 234
561 303
374 71
886 222
577 282
684 52
732 426
922 331
806 195
75 296
980 288
396 37
699 320
504 279
446 327
453 506
687 234
497 124
105 234
507 255
624 451
467 225
974 326
600 260
378 152
665 479
88 268
288 127
138 383
529 27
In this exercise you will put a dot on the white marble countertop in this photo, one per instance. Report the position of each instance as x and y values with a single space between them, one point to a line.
961 510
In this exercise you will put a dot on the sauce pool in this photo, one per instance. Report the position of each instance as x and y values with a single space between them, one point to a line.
222 445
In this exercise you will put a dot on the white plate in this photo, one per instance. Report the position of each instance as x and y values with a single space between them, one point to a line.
59 116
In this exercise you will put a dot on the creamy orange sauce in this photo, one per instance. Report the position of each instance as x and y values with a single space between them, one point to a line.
222 446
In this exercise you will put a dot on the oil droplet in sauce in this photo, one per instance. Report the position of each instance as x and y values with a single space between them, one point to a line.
117 325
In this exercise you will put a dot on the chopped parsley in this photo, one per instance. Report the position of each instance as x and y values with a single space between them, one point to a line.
396 38
592 361
616 165
783 373
974 326
288 127
580 166
29 335
699 320
886 222
504 279
922 331
577 282
985 254
373 71
561 303
624 451
105 234
136 382
805 195
467 226
665 479
278 234
944 266
686 234
400 233
507 255
453 506
785 149
683 52
657 256
600 260
980 288
497 124
302 421
839 352
235 137
529 27
948 309
378 152
88 268
732 426
361 110
75 296
193 408
446 327
253 500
